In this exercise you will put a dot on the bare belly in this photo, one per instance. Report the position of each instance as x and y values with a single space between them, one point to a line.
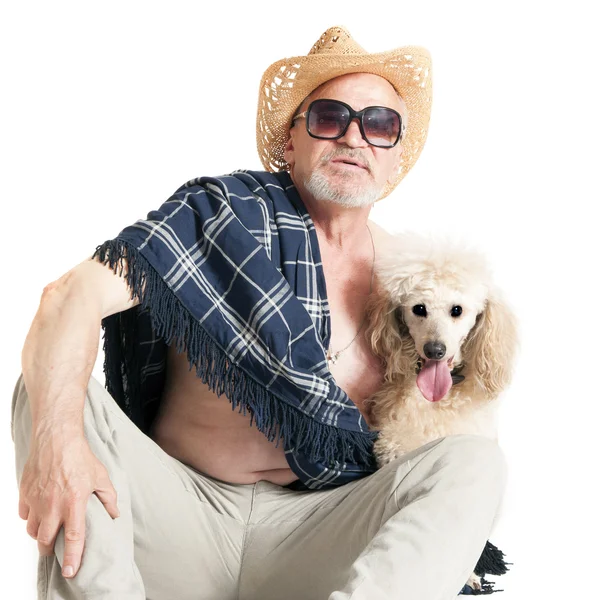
201 430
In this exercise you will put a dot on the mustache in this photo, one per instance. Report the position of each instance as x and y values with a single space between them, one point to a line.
348 153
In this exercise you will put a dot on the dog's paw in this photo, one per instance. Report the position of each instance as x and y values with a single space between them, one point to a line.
474 582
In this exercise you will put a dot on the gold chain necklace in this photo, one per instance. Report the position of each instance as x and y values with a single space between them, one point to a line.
332 357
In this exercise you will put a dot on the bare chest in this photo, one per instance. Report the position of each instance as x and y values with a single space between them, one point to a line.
356 369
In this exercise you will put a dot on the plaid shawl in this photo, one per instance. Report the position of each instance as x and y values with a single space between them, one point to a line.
229 269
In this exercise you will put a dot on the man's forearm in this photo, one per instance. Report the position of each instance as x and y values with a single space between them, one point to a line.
59 354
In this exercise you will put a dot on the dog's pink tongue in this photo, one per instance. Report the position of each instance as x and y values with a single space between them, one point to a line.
434 380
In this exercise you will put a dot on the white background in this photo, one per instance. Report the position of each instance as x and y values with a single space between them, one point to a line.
108 107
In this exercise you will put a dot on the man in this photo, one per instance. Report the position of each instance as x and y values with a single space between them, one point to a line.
277 498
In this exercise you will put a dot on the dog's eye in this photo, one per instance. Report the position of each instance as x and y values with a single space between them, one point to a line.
420 310
456 311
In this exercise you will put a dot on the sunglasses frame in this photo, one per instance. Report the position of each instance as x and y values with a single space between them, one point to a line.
353 115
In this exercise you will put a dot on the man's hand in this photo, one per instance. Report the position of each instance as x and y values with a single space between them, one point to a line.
60 474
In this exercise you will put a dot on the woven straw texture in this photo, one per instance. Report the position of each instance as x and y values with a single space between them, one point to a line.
286 83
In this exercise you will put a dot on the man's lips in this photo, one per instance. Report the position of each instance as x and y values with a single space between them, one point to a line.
350 162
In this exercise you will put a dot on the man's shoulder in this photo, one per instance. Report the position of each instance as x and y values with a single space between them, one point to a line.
381 237
265 179
251 181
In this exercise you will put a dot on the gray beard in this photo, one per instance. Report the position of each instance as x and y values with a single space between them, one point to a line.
320 188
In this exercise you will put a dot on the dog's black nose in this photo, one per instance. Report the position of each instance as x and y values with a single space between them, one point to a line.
435 350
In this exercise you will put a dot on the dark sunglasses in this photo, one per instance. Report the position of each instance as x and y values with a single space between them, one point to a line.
329 120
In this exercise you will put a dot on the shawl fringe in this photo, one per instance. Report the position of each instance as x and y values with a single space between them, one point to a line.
491 562
171 321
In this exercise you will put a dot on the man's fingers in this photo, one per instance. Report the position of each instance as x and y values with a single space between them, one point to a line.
47 533
23 509
108 496
33 525
74 527
44 551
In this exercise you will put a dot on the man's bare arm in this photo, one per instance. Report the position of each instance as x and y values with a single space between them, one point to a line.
58 356
62 344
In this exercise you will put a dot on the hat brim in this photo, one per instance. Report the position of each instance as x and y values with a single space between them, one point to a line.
286 83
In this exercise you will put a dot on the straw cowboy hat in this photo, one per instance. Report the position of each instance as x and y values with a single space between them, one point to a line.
286 83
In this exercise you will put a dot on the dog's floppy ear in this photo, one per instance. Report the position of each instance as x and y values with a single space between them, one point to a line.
388 335
490 347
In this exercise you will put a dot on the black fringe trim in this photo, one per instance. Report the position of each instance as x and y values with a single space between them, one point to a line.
171 321
487 587
491 561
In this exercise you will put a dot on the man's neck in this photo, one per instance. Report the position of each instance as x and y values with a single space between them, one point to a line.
338 226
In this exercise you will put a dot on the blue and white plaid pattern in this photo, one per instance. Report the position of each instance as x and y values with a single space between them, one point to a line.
239 280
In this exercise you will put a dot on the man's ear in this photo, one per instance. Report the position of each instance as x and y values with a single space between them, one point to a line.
392 178
288 151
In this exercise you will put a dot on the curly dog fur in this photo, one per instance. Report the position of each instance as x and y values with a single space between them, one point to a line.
436 276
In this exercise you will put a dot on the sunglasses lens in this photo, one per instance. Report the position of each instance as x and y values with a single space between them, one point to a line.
327 119
382 126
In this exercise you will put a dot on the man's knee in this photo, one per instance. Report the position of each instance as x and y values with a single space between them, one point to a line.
95 415
476 456
453 464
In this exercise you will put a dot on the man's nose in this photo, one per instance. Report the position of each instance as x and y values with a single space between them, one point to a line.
353 137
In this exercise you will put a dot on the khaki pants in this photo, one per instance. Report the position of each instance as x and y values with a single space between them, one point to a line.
413 530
